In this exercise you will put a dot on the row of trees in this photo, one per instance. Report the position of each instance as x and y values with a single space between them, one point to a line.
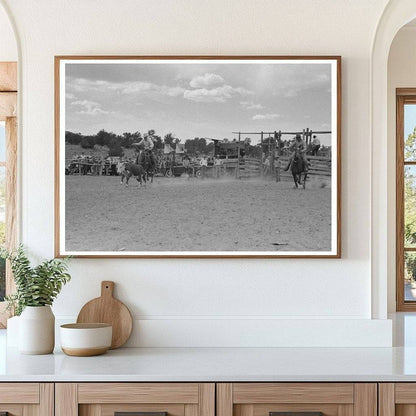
116 142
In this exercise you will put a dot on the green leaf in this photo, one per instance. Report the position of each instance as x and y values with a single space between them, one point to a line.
35 286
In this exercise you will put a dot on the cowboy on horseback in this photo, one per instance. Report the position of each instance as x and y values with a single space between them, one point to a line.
148 145
298 147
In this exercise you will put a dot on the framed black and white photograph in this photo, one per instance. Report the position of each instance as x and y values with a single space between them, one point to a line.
198 156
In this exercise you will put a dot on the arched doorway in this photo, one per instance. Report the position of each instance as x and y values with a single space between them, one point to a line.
397 14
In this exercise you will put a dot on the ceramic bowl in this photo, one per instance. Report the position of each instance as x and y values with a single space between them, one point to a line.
84 340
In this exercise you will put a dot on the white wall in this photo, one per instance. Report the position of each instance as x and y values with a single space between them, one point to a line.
401 74
179 302
8 47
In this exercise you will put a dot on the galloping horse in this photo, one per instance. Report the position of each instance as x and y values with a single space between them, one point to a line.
128 169
298 167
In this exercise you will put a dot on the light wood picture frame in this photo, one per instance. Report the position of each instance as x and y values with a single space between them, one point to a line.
214 142
8 163
404 291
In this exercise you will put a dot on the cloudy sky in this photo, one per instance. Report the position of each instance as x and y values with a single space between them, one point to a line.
198 99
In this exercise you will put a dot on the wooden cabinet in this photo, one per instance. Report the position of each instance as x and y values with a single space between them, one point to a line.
297 399
108 399
397 399
27 399
208 399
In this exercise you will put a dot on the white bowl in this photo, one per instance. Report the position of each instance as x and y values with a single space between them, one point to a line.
83 340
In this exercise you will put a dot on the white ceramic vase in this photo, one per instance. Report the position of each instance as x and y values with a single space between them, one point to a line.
37 330
13 331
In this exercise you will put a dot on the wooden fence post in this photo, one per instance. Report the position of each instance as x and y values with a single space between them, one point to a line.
261 154
237 170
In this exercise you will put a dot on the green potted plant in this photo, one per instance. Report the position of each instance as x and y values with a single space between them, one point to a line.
36 289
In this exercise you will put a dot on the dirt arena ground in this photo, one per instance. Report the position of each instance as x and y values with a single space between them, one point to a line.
177 214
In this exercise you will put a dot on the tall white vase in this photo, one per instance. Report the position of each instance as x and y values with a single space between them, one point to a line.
37 330
13 331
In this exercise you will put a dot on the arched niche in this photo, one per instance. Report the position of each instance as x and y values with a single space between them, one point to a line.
8 44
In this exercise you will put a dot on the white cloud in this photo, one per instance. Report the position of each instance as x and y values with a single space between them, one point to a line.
214 95
249 105
173 91
242 91
265 116
148 89
127 88
206 80
219 95
130 87
82 84
87 107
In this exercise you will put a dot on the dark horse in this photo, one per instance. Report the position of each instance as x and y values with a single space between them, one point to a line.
298 167
145 160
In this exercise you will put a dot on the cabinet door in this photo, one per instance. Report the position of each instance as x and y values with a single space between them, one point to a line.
397 399
143 399
296 399
26 399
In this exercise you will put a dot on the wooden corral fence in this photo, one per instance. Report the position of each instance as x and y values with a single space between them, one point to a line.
250 168
318 166
242 168
247 168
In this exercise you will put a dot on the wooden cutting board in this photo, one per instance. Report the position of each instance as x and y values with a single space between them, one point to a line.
107 309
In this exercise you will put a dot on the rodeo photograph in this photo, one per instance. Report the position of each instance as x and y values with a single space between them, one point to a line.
198 156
